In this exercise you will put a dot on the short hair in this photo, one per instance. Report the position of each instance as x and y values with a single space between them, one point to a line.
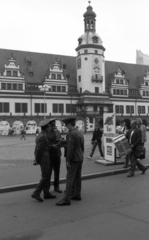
134 121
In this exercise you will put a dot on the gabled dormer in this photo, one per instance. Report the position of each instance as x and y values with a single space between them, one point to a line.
56 79
11 78
144 87
119 84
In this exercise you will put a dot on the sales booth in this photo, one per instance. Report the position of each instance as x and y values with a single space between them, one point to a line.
4 127
31 127
17 126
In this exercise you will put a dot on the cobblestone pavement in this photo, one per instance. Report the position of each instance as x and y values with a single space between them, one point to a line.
19 153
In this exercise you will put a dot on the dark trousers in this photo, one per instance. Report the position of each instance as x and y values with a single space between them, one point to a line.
22 136
94 147
55 163
43 184
135 162
127 160
73 177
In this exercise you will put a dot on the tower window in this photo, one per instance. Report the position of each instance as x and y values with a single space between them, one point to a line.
67 76
28 63
64 66
80 90
30 74
79 78
8 73
86 59
53 76
85 51
96 52
96 89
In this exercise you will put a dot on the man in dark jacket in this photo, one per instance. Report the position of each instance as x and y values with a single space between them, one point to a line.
135 138
54 138
74 159
42 158
97 140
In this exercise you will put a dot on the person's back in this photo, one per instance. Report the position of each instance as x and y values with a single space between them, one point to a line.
75 145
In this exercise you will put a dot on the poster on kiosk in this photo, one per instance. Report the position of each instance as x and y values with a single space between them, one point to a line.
108 134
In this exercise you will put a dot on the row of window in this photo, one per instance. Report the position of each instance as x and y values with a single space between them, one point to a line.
11 86
145 93
119 92
39 107
130 109
86 51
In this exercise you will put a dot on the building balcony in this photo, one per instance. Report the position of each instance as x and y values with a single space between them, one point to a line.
97 78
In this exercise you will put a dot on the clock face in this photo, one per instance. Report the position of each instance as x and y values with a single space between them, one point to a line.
79 63
96 60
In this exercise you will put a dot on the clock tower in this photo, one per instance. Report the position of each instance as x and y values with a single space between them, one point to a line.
90 57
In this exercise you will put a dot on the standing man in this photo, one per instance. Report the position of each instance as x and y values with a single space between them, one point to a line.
135 138
42 158
97 140
23 134
54 138
142 127
74 159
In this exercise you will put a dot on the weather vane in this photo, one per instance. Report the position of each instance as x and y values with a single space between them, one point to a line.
89 2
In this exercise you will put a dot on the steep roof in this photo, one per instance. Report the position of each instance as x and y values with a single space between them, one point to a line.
133 72
40 64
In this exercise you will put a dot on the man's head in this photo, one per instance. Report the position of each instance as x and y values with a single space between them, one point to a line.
139 121
52 123
70 122
45 126
133 124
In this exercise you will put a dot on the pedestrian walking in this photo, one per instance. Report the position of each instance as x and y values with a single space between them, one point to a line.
134 136
97 141
42 158
54 138
74 158
127 127
23 132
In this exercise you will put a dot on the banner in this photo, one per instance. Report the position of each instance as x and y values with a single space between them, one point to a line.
109 134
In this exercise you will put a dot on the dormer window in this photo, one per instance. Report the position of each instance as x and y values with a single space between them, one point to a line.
64 66
28 63
15 73
95 39
31 74
9 73
146 83
117 81
121 81
53 76
58 76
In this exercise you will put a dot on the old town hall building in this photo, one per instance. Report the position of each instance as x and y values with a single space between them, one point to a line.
85 86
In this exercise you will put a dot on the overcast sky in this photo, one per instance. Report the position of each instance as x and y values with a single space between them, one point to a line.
54 26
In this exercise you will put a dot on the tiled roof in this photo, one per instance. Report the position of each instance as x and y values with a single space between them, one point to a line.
133 72
40 64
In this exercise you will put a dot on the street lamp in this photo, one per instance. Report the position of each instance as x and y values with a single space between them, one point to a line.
44 88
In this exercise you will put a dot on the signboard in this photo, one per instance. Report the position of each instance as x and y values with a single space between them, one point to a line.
108 134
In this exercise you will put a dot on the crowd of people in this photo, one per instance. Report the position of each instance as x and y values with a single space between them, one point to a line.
48 155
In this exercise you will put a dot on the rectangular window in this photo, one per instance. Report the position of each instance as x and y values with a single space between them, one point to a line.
3 85
85 51
9 86
119 109
117 81
53 88
4 107
24 107
114 91
20 86
58 88
121 81
53 76
125 92
68 108
63 89
14 86
79 78
61 108
31 74
18 107
95 108
58 76
118 92
39 108
15 73
64 66
55 108
67 76
130 109
28 63
8 73
96 89
96 51
141 109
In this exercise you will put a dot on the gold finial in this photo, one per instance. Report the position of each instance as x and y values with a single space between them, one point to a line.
89 2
